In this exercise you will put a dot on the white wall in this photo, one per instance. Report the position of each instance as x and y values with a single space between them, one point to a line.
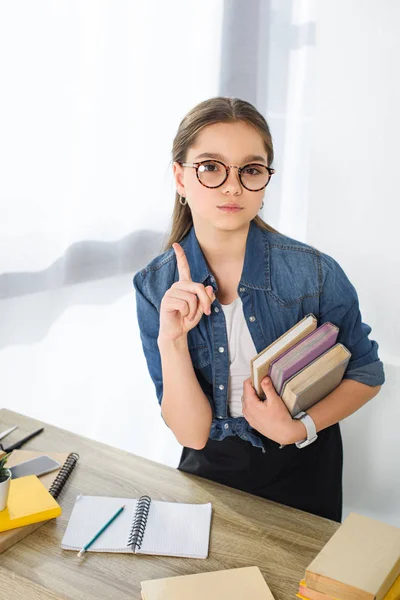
352 215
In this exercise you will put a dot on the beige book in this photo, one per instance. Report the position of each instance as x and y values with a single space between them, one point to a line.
361 561
316 380
236 584
259 365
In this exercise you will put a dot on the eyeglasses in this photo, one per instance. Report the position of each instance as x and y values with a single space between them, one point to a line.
213 173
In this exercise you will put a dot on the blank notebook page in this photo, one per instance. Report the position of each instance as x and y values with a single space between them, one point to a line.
172 529
175 529
89 515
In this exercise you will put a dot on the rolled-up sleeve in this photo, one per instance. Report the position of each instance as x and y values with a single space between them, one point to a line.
149 325
339 304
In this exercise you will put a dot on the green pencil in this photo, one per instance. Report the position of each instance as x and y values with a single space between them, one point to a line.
101 531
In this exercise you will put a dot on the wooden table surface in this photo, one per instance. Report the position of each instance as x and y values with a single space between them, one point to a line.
245 529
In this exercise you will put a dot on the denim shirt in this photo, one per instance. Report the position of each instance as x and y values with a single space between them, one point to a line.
282 281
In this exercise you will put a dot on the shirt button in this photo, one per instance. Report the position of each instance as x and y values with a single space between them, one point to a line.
216 309
226 425
221 387
220 349
252 318
242 289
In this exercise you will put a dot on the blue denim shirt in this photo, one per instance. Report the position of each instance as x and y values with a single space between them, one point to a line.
282 281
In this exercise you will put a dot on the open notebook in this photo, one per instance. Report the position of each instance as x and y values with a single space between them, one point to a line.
145 526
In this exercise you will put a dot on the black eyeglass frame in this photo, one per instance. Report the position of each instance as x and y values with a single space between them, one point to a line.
196 166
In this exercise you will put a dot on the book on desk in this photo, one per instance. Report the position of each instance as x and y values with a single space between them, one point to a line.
361 561
28 502
54 482
243 583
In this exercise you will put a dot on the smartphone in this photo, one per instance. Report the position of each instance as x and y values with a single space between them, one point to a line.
35 466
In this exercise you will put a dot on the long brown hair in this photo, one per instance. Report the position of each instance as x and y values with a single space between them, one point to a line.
214 110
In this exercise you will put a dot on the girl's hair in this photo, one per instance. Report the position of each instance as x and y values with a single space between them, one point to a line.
214 110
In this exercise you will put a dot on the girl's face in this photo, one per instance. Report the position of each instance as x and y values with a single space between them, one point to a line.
233 144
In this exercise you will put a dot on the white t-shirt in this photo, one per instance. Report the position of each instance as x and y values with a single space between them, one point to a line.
241 350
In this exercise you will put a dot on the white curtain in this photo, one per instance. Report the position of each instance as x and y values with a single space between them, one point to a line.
268 56
92 93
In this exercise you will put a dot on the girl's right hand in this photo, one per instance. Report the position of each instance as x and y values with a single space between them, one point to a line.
184 303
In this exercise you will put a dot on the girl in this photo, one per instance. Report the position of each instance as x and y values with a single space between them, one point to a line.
226 286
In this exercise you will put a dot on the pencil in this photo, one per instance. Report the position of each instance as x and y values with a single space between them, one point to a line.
101 531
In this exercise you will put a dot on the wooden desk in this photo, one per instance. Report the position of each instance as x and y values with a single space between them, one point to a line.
245 529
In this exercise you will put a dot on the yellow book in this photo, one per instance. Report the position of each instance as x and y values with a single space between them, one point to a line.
28 502
392 594
306 593
394 591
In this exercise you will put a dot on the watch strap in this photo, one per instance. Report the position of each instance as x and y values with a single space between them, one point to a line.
310 427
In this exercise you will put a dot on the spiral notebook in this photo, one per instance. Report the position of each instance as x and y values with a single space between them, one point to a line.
146 526
54 482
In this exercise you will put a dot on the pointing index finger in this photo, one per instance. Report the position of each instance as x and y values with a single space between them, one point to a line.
182 262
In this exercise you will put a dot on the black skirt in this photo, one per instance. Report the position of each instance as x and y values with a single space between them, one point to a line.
309 478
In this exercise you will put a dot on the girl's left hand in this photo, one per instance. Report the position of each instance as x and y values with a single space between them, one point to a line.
270 417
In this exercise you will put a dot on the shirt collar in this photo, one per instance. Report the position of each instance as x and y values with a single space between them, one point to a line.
256 261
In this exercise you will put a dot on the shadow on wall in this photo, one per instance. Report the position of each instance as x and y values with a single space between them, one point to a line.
87 261
33 302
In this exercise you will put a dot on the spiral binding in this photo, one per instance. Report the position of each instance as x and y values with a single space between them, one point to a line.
63 474
139 522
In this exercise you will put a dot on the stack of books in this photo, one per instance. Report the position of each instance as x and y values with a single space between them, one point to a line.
305 364
361 561
31 501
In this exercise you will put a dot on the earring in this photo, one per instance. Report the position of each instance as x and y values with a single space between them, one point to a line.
262 205
180 200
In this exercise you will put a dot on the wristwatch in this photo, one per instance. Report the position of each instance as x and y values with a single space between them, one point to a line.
311 430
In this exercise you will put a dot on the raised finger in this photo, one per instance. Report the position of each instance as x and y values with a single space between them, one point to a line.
182 263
